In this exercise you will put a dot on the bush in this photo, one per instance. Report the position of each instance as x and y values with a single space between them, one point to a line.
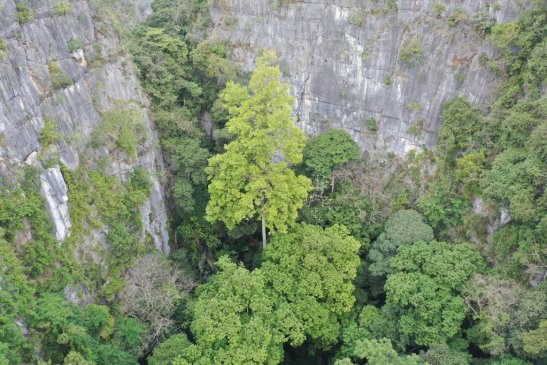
357 18
58 77
438 9
120 129
74 45
412 52
372 125
24 12
3 48
49 134
62 8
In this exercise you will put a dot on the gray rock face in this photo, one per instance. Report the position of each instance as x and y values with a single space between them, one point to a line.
55 192
97 78
349 66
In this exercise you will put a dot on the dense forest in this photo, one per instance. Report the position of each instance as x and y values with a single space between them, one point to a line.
286 248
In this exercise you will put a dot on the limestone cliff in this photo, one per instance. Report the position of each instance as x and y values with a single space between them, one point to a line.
380 70
63 66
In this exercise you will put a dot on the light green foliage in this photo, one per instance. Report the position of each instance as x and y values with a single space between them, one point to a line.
438 9
74 358
120 129
326 153
62 8
369 324
49 134
58 77
491 300
380 352
469 169
371 123
46 260
234 322
168 350
412 52
3 48
442 354
535 341
427 285
99 200
530 313
504 35
253 176
24 12
312 270
402 228
505 313
458 16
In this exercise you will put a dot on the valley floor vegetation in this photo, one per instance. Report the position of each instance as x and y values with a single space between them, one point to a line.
287 249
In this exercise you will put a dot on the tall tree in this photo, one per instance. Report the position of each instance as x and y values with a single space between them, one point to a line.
254 176
312 269
234 322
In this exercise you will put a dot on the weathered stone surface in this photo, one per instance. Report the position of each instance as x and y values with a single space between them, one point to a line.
344 61
55 193
100 76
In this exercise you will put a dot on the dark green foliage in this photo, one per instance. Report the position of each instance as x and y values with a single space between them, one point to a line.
443 207
427 284
326 153
402 228
379 352
461 122
346 206
161 59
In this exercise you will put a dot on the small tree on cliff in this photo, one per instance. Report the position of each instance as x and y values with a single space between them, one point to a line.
253 177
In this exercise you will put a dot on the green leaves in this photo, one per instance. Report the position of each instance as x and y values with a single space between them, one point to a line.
253 175
234 320
402 228
311 269
328 152
426 284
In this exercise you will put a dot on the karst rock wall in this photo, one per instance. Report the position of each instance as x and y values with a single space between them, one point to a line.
101 77
348 64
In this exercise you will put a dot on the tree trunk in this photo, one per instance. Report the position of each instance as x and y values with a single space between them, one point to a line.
263 227
332 184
